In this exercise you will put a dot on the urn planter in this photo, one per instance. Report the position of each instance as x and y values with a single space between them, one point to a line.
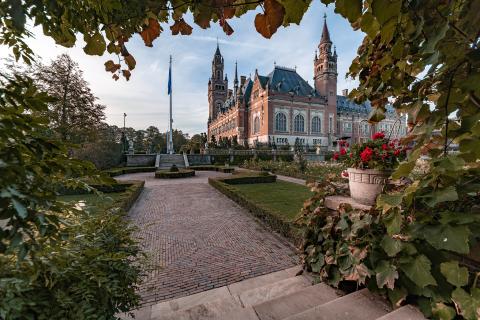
366 184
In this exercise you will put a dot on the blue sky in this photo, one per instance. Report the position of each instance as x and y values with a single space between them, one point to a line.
144 98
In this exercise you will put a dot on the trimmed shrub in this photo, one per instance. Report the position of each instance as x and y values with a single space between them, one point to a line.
167 174
125 170
174 168
249 179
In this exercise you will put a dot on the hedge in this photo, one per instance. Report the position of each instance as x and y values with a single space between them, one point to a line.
119 171
167 174
132 192
212 168
269 217
249 179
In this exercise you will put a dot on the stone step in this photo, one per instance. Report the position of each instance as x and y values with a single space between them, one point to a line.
183 303
360 305
291 304
273 290
239 314
407 312
260 281
206 311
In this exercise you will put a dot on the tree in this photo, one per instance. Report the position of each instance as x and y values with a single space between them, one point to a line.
74 114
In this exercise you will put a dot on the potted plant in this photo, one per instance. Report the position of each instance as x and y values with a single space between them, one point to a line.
370 164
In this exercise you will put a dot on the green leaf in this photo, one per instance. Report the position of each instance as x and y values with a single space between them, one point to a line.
442 195
96 44
317 266
418 270
294 10
397 296
20 208
385 10
369 25
391 246
468 305
404 169
388 201
443 312
393 222
386 275
447 237
456 275
350 9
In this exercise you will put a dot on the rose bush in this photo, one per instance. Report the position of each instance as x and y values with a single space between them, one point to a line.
380 153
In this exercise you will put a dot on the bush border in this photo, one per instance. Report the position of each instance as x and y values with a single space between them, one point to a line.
266 216
183 173
132 193
119 171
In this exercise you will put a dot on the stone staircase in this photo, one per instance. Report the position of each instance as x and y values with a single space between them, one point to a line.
280 295
167 160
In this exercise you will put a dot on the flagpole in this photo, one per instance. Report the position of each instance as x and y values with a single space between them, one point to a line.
170 138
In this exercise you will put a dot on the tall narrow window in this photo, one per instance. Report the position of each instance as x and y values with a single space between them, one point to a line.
256 125
316 125
281 122
299 123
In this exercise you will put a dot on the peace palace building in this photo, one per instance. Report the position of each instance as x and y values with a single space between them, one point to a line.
283 108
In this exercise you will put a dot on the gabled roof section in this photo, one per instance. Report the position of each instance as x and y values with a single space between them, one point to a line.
247 89
286 80
263 81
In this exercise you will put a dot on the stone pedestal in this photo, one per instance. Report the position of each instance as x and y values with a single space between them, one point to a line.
333 202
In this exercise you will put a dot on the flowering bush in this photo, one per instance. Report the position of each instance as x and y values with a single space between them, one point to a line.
380 153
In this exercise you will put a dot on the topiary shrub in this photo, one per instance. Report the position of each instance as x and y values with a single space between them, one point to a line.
174 168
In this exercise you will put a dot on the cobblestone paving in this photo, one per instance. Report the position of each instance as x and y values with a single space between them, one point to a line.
198 239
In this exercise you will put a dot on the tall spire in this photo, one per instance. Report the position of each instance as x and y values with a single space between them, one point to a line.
217 52
325 32
235 81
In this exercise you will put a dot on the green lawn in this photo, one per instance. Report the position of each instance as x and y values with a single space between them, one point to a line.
284 198
93 200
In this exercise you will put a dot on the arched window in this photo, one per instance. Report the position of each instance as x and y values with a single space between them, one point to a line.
256 125
281 122
299 123
316 125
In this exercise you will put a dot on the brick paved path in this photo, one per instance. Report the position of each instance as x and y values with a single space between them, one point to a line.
198 239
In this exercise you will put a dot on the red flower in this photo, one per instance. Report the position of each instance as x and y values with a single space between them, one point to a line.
366 154
384 146
397 152
342 143
345 174
351 154
343 151
347 145
378 135
335 156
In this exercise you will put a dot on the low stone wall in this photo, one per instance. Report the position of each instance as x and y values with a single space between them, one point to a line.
141 160
199 159
311 157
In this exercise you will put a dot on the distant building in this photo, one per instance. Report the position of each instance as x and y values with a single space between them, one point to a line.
282 107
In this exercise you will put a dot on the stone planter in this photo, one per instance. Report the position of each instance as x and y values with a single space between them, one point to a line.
366 185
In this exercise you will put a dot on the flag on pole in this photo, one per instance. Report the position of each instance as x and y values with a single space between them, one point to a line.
170 79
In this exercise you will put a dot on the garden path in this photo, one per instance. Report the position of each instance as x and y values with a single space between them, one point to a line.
198 239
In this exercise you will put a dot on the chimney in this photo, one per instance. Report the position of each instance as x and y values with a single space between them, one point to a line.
345 92
242 80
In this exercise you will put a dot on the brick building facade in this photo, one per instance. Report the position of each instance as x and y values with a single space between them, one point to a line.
283 108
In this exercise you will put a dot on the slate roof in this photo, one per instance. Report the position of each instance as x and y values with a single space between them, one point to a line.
345 105
286 80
